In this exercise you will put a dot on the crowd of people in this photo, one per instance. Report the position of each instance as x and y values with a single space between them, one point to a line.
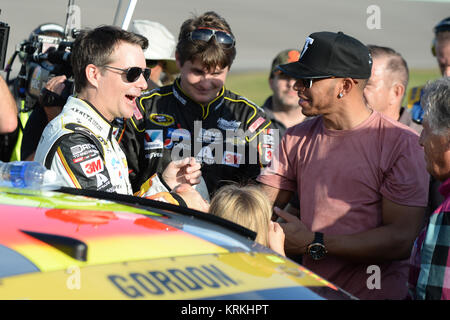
330 169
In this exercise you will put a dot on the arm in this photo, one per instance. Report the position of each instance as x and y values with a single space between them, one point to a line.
393 240
277 197
8 109
131 142
78 161
185 171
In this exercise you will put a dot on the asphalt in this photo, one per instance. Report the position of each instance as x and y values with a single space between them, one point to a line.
262 27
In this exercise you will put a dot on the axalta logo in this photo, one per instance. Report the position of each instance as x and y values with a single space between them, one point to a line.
171 281
92 167
162 119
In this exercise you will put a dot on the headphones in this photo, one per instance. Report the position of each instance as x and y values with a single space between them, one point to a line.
444 25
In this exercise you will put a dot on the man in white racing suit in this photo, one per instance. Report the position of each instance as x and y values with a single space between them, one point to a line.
110 72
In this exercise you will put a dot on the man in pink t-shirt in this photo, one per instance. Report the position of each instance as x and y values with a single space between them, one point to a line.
360 176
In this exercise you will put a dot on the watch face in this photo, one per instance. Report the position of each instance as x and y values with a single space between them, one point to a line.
317 251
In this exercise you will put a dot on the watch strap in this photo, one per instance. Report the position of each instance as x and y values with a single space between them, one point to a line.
318 237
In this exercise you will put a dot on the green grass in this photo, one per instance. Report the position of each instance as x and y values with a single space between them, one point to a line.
255 87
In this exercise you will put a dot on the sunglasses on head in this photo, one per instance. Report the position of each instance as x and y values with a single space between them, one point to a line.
133 73
205 34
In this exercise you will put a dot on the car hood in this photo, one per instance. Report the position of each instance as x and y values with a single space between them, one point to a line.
60 246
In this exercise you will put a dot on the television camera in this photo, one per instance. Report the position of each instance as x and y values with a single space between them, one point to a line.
42 57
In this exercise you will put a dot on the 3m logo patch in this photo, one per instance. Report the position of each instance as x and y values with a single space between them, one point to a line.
268 153
92 167
232 159
153 139
162 119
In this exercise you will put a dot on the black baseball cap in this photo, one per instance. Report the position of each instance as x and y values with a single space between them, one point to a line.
442 26
327 54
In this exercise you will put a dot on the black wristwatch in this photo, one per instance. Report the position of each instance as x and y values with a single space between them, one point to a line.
316 249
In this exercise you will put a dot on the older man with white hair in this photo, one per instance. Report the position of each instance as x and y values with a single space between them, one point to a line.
430 264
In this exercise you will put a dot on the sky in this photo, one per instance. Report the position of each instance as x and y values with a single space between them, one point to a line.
262 27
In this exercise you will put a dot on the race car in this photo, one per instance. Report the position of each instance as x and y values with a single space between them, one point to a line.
78 244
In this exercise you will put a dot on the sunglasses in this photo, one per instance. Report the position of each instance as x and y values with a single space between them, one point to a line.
205 34
133 73
307 83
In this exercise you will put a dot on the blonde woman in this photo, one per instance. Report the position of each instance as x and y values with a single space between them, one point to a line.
249 207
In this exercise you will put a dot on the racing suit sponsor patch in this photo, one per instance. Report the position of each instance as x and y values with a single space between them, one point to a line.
209 136
228 124
168 143
162 119
137 113
205 155
153 155
81 148
101 181
268 139
255 125
153 139
92 166
268 155
79 159
232 159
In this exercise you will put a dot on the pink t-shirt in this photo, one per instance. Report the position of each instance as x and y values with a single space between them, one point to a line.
341 177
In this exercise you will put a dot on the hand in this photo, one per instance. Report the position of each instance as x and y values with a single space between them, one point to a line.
186 170
276 238
192 197
56 84
298 237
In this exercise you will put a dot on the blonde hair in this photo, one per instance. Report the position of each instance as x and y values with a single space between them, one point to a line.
246 206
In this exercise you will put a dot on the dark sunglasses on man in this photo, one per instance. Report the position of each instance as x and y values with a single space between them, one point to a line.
133 73
307 82
205 34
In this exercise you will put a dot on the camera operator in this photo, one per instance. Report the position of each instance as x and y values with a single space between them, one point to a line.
8 109
42 114
50 102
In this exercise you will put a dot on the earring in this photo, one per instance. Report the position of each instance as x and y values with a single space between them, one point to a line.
341 95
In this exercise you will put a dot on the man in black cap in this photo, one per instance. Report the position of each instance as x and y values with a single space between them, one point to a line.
360 176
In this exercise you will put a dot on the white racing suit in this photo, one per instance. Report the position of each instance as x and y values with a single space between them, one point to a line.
79 146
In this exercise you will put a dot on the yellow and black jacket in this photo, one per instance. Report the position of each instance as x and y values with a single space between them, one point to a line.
168 125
